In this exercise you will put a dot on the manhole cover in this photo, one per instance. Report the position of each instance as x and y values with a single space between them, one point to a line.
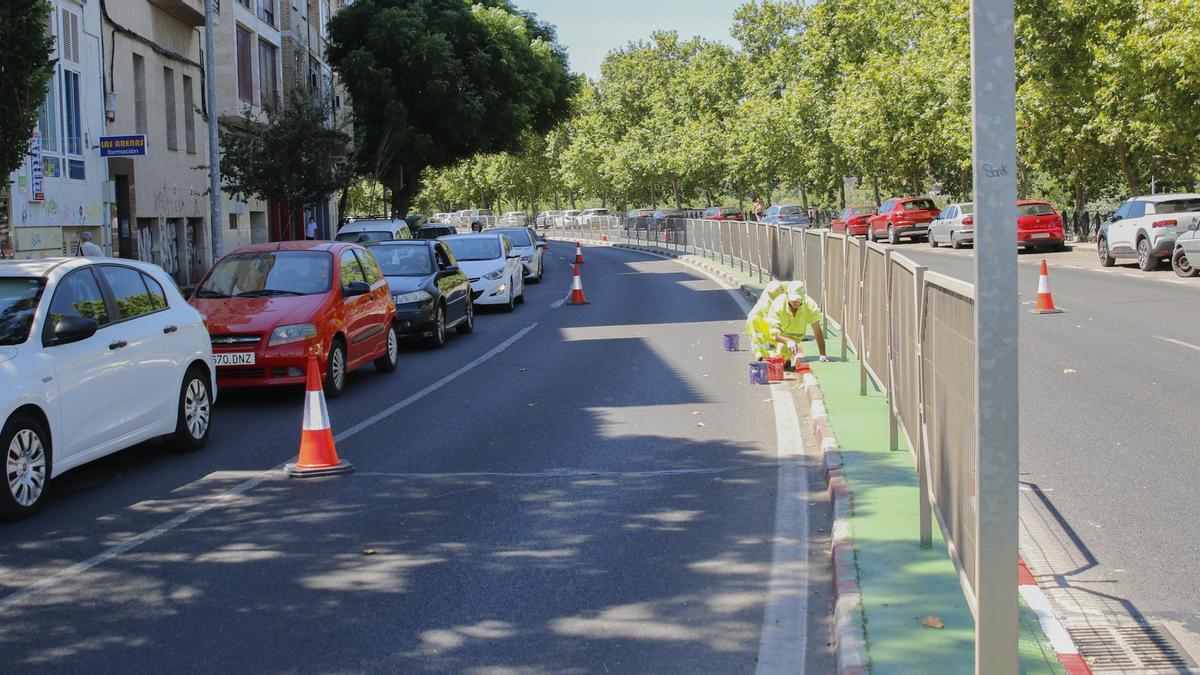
1132 648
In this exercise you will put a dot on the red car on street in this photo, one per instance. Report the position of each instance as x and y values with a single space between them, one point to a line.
1039 226
724 213
269 306
903 217
853 220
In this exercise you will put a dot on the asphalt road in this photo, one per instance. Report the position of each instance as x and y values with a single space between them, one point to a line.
1108 430
569 489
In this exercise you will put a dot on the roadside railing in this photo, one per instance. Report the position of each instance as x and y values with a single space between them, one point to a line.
912 331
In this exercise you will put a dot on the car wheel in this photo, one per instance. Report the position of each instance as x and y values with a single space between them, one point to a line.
954 242
870 233
335 370
892 238
933 240
438 339
511 301
1147 261
1106 260
1179 263
521 297
195 412
391 356
26 467
468 324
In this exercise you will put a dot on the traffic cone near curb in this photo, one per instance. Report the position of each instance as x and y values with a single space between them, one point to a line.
318 455
577 297
1045 299
578 253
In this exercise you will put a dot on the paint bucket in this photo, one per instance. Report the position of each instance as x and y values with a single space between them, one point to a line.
731 342
774 368
758 373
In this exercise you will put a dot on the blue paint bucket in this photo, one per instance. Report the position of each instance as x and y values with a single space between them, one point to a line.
731 342
758 373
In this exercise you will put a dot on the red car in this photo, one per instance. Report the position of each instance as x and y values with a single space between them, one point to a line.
724 213
853 220
903 217
1039 226
269 306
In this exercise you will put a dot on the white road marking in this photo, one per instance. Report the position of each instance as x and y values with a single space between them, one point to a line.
240 489
559 474
1054 629
1181 343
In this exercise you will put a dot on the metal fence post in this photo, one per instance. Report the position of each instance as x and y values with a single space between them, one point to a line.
925 519
824 282
845 296
860 288
893 420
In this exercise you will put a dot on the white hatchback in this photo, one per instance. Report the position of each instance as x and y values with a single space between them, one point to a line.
96 355
493 267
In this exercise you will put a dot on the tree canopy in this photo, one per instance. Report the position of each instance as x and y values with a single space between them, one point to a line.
25 71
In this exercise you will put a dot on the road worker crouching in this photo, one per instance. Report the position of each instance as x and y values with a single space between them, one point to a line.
788 320
757 328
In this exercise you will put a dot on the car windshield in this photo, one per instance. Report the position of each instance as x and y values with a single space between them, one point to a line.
366 237
518 237
920 205
18 301
1178 206
468 249
433 232
403 261
1034 210
268 273
863 210
966 209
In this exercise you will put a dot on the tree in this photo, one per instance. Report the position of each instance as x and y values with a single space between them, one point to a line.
25 70
435 82
294 158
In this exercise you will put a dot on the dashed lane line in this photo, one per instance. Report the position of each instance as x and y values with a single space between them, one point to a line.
1181 343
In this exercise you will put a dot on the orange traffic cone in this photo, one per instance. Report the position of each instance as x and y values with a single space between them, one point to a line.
1045 300
318 455
604 237
577 297
578 253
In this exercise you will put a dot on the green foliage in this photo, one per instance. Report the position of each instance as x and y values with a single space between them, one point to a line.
25 70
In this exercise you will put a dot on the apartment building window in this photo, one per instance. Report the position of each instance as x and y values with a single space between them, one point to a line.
169 108
244 66
268 82
244 3
189 116
266 11
314 75
139 94
60 124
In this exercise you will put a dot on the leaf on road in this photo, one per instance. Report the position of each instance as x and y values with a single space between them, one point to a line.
932 621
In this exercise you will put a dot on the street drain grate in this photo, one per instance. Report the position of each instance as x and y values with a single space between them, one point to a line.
1130 649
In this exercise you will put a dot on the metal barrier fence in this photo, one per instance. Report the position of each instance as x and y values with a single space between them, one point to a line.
912 330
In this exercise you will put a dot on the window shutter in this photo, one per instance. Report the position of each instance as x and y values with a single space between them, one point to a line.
69 42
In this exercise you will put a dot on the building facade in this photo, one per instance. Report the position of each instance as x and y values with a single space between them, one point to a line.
61 190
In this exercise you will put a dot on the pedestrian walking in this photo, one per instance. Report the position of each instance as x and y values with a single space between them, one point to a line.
87 249
758 208
790 317
310 230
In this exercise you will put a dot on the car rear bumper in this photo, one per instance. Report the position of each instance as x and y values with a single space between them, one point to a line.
1051 239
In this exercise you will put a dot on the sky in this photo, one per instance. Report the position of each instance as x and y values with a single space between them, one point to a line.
592 28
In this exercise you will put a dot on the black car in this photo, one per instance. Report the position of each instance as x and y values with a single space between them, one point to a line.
432 294
435 230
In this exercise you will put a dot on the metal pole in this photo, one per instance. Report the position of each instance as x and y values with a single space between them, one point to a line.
214 148
924 506
993 96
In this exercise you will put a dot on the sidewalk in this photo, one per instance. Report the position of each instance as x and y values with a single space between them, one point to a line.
900 583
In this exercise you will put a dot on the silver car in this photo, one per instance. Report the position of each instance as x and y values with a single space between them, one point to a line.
955 226
1187 249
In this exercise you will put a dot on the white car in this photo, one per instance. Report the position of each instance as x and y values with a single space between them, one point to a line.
514 219
569 218
495 270
369 230
1145 228
546 219
591 217
955 225
96 355
532 249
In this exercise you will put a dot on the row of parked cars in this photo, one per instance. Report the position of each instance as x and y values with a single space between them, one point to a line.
99 354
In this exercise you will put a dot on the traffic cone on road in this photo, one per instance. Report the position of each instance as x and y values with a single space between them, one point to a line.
577 297
318 455
578 253
1045 299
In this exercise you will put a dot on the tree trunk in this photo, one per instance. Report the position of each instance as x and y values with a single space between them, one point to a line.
678 196
875 189
342 200
842 193
404 187
804 196
963 185
1080 194
1127 169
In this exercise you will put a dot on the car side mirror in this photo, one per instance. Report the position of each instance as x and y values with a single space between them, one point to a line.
356 288
513 254
72 329
1195 225
1114 218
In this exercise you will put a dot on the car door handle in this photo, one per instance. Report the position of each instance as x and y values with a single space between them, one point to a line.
170 329
119 344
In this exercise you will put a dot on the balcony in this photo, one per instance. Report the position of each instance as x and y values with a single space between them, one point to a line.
190 12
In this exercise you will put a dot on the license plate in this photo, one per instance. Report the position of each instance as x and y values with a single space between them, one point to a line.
238 359
1041 235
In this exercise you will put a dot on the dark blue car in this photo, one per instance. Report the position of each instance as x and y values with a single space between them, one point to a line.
432 294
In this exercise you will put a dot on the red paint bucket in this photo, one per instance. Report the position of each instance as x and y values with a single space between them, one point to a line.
775 368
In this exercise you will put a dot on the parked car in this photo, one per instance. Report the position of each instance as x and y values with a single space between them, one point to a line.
95 357
440 217
639 219
1039 227
432 294
955 226
668 219
415 221
853 221
792 215
1187 247
366 230
495 271
902 217
532 249
591 217
269 306
1144 229
569 218
546 219
514 219
723 213
436 230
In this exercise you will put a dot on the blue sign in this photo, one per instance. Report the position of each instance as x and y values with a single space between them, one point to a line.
123 146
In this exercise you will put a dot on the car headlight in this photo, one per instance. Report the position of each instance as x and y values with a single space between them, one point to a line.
297 332
409 298
492 276
526 258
